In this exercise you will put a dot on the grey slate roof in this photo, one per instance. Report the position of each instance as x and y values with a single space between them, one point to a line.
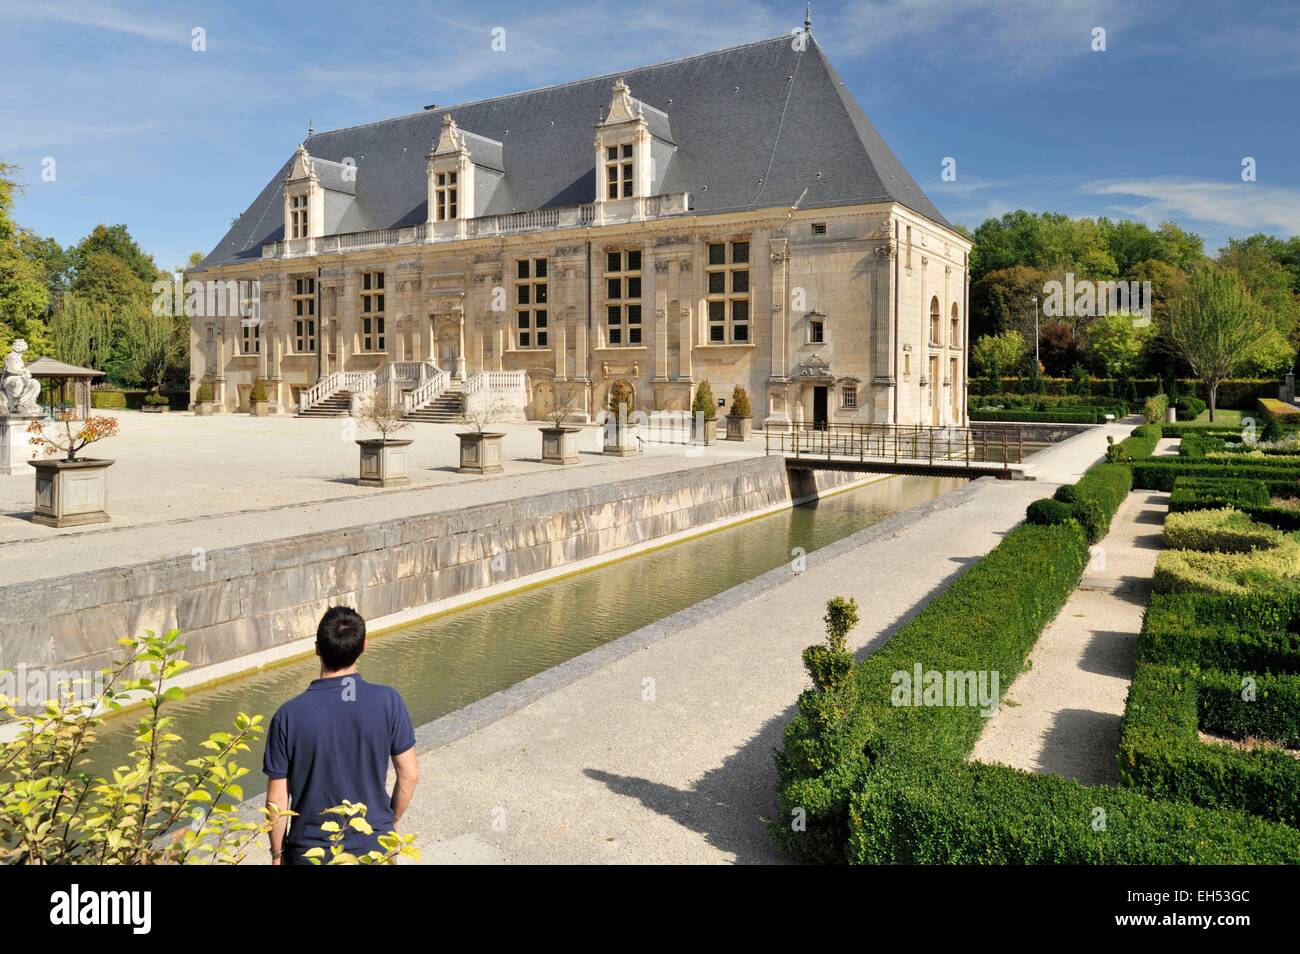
754 125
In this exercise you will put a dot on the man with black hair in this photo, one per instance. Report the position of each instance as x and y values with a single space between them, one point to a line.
333 743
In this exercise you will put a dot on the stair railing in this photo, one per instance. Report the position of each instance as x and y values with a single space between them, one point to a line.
426 393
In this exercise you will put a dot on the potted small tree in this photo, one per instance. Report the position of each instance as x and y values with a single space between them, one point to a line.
560 443
740 416
704 414
155 403
203 400
258 403
620 430
70 491
480 449
383 459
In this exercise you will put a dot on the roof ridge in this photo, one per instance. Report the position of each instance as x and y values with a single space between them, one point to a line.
554 86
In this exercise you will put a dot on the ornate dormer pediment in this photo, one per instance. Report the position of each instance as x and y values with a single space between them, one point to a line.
622 108
302 167
450 138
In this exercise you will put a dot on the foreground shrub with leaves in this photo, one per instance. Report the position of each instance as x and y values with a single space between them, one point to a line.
159 807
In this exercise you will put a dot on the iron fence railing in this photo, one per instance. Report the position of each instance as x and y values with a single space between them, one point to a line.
897 443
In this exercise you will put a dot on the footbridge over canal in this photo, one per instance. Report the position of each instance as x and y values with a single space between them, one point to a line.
980 451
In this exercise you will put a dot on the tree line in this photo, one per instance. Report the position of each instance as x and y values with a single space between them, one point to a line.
1252 287
89 304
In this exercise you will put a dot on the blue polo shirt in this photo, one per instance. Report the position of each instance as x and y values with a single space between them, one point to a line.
334 742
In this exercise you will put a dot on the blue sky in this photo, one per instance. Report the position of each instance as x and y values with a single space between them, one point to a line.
175 142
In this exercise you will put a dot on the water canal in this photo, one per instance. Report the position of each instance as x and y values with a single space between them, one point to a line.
446 662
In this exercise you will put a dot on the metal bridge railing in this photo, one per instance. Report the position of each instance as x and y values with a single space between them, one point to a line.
897 443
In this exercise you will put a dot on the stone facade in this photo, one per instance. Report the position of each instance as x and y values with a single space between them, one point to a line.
841 305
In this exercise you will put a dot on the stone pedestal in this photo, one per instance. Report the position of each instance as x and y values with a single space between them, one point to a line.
15 443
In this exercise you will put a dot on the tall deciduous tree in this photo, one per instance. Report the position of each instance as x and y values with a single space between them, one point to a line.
24 291
150 345
1214 325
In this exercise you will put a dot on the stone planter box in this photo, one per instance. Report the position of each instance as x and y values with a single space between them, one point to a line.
560 445
739 428
71 493
480 453
260 409
383 462
154 408
704 433
205 409
621 440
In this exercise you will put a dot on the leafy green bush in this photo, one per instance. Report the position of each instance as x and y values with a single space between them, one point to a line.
154 399
1162 755
1190 408
204 395
1154 409
158 807
989 814
999 609
1225 530
1228 633
1047 511
257 394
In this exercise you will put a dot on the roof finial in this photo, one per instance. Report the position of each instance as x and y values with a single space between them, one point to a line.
311 130
807 18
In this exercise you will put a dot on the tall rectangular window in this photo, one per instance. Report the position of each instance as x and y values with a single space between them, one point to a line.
618 171
531 303
372 312
445 196
304 314
623 297
728 297
250 318
298 216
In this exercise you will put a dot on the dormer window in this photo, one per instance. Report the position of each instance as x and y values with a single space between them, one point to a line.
445 192
618 171
298 216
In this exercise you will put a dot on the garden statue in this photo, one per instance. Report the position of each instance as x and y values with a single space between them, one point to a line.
21 390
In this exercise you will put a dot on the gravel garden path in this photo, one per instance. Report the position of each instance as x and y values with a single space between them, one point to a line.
1062 715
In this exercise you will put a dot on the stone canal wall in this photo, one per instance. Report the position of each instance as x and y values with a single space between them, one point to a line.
245 599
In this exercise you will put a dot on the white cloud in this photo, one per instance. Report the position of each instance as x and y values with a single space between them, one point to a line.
98 15
1246 206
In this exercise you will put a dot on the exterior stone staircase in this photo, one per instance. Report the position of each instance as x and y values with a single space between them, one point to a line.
337 404
446 408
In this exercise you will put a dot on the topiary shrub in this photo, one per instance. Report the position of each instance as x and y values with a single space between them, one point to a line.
704 403
204 395
1045 512
258 393
740 403
1224 530
154 399
1154 409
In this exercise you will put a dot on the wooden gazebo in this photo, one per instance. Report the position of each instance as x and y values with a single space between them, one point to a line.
64 378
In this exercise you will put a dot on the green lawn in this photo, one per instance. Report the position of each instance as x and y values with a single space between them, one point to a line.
1223 417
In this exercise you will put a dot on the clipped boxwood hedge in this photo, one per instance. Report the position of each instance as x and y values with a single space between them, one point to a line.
989 814
1271 713
1271 409
114 400
998 609
1159 473
1228 633
1162 756
1208 493
1070 416
1224 529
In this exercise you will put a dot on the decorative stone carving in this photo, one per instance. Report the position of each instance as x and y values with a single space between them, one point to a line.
20 389
886 250
661 266
666 240
780 258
